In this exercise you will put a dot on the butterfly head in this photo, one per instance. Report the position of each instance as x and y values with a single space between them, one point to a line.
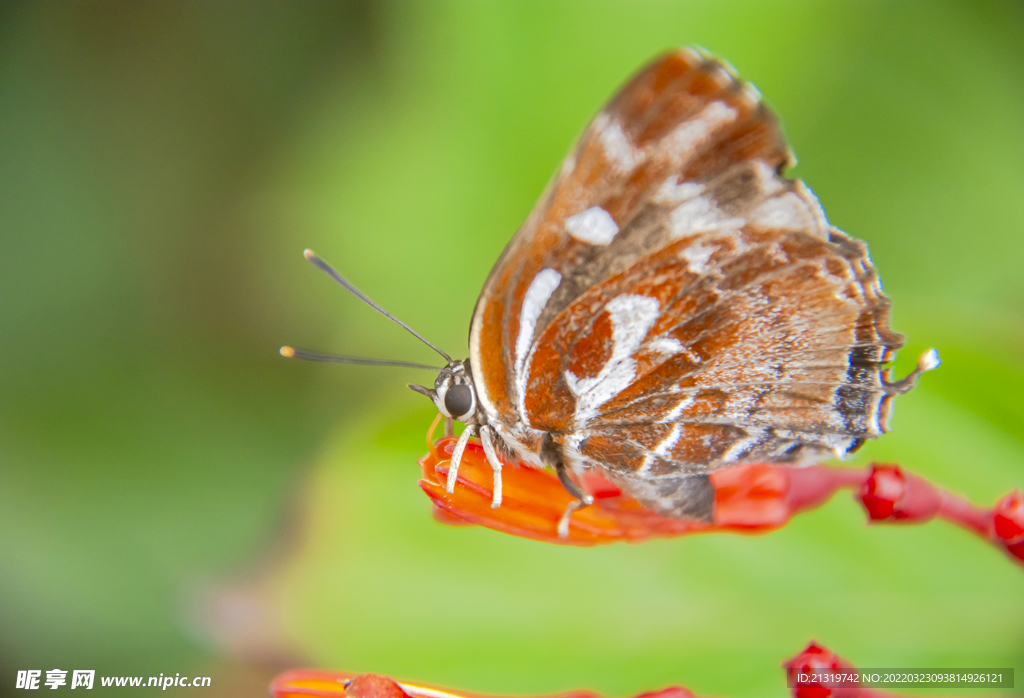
453 392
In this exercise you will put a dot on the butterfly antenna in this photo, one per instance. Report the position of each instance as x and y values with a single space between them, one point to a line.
326 268
293 353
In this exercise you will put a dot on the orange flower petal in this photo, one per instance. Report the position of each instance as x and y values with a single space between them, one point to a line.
309 682
748 498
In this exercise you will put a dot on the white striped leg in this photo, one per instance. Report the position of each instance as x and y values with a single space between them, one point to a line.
453 467
563 523
582 498
492 458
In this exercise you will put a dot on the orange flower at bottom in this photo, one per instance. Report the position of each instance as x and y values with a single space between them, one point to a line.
748 498
302 683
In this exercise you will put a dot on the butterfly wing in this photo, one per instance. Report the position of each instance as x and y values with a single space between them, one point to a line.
674 305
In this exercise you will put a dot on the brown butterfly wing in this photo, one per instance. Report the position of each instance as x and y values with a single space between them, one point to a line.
673 305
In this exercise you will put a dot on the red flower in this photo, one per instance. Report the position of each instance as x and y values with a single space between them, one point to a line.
748 498
533 502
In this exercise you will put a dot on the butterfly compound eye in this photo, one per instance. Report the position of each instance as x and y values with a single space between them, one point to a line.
458 400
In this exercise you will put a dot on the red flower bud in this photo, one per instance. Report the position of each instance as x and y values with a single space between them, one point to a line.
890 494
880 492
1008 523
813 657
1008 518
373 686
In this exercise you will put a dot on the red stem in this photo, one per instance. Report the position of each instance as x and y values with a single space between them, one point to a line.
959 511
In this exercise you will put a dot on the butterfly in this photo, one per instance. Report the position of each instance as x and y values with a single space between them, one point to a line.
672 305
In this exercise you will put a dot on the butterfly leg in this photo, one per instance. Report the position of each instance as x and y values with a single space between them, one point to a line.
582 499
492 458
453 467
563 523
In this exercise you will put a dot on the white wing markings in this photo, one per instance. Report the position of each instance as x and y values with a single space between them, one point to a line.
537 296
664 448
595 225
685 138
700 215
632 317
621 154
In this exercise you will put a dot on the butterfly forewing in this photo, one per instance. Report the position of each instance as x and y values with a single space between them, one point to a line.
673 304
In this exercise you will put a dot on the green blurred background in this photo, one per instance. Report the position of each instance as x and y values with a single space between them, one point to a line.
175 497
